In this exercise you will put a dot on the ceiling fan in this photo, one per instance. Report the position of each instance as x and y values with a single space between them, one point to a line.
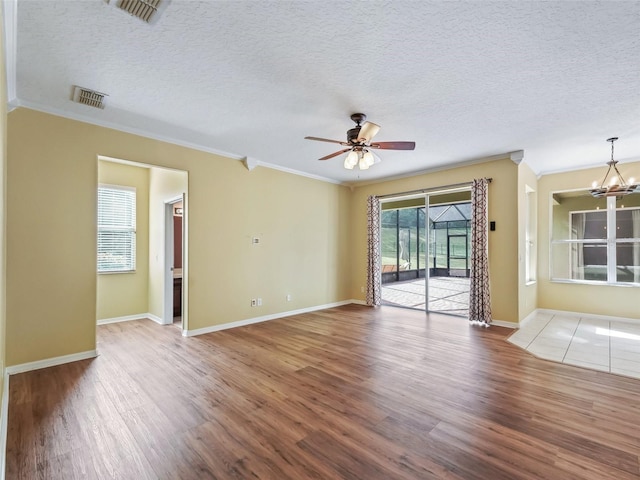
359 144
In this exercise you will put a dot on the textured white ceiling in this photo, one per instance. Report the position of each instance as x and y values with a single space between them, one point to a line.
464 80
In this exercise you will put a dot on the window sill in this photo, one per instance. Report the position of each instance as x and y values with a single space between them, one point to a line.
594 283
116 272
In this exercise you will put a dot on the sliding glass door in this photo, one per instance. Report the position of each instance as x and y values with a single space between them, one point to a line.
425 252
403 246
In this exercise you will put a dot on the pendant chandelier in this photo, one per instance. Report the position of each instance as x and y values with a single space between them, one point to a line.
617 186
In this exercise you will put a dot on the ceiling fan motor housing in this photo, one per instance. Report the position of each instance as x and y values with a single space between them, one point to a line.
352 134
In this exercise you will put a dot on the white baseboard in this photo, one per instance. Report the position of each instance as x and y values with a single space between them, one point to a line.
155 318
4 422
502 323
593 316
264 318
126 318
50 362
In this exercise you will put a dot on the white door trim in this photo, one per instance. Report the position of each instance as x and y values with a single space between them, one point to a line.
167 310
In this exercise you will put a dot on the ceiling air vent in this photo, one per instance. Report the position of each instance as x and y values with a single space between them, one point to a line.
143 9
88 97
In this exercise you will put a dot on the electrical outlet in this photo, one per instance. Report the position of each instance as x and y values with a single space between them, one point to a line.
362 289
254 302
288 298
259 302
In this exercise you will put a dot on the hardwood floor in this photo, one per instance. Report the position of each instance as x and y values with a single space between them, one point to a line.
345 393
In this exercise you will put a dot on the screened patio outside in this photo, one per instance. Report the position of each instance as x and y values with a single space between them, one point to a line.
405 258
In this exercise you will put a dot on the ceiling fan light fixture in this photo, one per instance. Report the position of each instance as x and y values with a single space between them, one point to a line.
367 158
351 160
359 144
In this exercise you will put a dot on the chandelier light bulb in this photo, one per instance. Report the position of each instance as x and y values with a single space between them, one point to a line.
614 180
594 184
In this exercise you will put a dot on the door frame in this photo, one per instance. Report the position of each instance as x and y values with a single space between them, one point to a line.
167 301
426 195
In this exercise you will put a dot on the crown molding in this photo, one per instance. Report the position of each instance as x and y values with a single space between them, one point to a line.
590 166
250 163
517 156
273 166
126 129
439 168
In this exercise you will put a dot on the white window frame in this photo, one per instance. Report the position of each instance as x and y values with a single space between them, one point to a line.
611 243
128 226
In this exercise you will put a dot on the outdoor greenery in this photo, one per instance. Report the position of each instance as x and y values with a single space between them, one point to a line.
403 236
405 224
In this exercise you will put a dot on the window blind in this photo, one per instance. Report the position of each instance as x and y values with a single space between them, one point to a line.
116 229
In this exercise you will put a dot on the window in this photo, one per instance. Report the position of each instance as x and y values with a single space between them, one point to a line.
116 229
531 233
597 245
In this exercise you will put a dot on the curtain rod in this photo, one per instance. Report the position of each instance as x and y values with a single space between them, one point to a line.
427 190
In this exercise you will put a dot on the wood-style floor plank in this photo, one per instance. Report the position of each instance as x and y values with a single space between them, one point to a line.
345 393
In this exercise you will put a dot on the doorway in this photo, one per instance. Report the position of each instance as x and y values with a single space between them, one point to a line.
142 290
174 261
425 251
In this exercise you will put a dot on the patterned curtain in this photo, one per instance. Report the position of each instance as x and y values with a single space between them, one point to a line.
374 290
479 301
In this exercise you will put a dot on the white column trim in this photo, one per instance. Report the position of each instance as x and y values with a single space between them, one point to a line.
4 424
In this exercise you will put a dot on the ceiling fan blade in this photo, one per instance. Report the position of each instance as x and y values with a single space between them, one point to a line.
368 131
326 140
334 154
394 145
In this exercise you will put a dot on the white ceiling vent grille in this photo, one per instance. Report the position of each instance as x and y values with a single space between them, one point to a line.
143 9
88 97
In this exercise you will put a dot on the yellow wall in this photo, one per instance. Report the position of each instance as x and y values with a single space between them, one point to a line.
51 208
595 299
312 235
304 242
503 209
122 294
527 293
164 185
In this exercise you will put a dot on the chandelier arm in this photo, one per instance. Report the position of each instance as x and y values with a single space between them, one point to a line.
604 180
622 180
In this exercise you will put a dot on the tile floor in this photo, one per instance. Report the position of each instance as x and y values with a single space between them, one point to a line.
447 294
609 346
